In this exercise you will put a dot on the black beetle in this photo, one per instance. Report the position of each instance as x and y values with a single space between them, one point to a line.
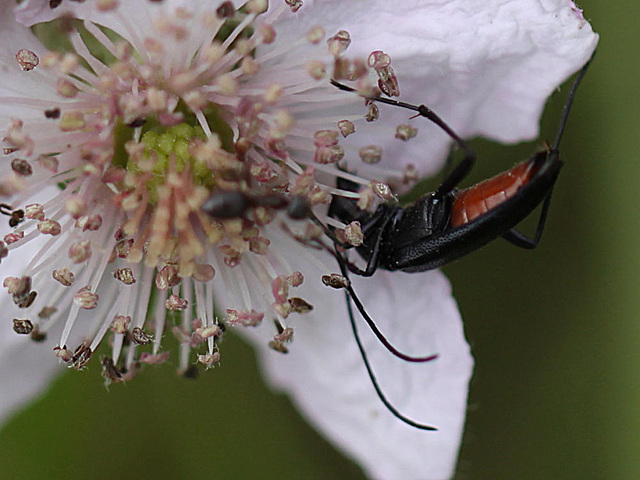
447 224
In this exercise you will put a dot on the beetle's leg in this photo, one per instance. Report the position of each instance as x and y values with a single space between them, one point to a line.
372 231
372 325
519 239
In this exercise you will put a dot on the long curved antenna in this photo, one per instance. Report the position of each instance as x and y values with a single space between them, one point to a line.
462 169
374 380
570 97
372 325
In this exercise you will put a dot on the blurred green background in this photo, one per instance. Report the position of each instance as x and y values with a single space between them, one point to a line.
555 333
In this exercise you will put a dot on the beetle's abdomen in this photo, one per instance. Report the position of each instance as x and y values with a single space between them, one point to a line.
472 202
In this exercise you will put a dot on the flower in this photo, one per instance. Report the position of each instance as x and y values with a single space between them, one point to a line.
114 150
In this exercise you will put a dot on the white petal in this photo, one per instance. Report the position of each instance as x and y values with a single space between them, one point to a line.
325 375
15 81
26 367
486 67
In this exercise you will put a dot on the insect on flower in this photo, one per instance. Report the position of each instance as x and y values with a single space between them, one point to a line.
444 225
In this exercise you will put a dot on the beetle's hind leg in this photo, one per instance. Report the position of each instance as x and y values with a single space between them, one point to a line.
521 240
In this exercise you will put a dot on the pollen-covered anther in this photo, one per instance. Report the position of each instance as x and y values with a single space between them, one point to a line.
66 89
157 359
282 309
37 336
209 331
257 7
353 233
72 121
34 211
370 154
410 174
351 70
339 43
75 205
286 335
259 245
123 247
278 346
381 190
49 163
107 5
295 279
346 128
267 32
85 299
244 47
64 276
325 138
175 303
21 167
89 222
225 10
81 357
373 113
120 324
232 256
294 5
139 337
283 122
378 59
49 227
110 372
366 199
168 27
22 326
273 94
280 289
335 280
25 301
315 34
406 132
9 238
203 273
27 59
209 359
316 69
68 63
80 251
17 285
249 66
63 353
52 113
226 85
125 275
299 305
46 312
388 82
246 319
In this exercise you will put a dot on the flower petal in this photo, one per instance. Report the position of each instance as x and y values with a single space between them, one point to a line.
26 367
325 375
486 67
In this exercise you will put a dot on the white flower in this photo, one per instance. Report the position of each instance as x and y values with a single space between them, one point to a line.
188 100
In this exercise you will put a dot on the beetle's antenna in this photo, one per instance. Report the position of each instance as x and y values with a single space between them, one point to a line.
373 378
462 169
372 325
570 97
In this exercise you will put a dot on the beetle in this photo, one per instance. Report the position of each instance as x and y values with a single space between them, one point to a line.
447 224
